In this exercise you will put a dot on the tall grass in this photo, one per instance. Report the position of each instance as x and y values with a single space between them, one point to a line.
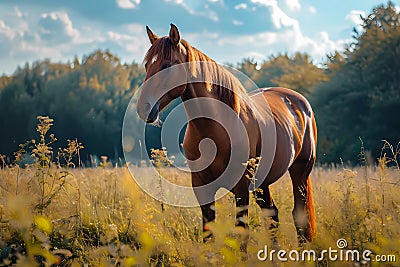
54 213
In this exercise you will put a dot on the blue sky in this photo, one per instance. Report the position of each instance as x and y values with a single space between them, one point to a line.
228 31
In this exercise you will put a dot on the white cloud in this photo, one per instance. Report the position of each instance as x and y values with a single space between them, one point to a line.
53 34
288 37
321 45
259 46
133 44
264 2
213 16
5 30
312 10
397 9
25 35
22 43
56 27
257 56
240 6
135 28
89 36
195 38
293 4
182 4
18 13
11 37
279 18
12 32
6 36
128 4
354 17
118 37
237 22
204 11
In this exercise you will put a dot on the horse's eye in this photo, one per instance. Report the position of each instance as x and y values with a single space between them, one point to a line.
166 65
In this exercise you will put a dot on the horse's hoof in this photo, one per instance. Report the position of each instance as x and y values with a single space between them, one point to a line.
302 241
208 237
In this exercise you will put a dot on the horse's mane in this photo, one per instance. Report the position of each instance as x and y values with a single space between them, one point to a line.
219 80
222 82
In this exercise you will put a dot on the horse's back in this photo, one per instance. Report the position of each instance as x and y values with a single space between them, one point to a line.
285 94
290 109
295 129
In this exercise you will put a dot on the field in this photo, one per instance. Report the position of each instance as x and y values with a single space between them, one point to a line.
72 216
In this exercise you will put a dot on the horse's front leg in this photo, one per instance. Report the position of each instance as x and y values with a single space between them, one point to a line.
241 192
208 215
207 206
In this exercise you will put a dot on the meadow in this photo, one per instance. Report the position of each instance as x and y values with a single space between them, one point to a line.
55 213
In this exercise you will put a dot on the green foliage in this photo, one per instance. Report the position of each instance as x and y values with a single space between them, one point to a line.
27 195
87 99
297 72
362 95
4 81
160 159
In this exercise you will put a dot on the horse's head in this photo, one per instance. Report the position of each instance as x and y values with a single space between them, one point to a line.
163 82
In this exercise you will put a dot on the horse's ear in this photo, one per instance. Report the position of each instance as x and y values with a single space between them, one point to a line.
174 35
152 36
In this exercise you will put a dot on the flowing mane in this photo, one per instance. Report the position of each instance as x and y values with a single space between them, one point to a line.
219 80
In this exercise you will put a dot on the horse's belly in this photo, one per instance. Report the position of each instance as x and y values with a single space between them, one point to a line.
282 158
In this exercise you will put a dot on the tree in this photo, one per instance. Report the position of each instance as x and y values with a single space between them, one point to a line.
87 101
362 96
297 72
4 81
301 75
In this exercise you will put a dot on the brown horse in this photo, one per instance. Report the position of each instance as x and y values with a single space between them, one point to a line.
295 128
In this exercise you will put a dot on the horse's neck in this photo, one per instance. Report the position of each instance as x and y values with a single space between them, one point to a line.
199 104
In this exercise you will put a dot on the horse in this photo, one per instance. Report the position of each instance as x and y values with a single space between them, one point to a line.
290 112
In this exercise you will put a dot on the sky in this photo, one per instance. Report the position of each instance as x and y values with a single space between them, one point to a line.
225 30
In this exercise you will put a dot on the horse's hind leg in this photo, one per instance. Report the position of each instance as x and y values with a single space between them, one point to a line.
241 192
303 212
266 203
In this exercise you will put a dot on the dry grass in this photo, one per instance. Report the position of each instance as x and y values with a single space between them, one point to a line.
100 217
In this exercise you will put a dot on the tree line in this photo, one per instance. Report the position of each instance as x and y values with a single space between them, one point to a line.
355 94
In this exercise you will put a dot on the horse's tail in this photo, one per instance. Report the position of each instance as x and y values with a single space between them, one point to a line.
312 225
